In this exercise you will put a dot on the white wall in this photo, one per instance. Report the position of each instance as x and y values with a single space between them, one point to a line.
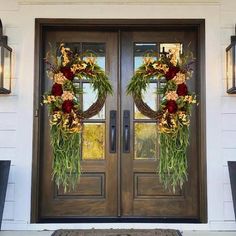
16 110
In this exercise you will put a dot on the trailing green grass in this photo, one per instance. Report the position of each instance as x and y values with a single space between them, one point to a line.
173 158
66 149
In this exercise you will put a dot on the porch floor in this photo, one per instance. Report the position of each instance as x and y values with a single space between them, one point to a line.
185 233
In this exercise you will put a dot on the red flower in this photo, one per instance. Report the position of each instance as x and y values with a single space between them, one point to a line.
57 90
172 107
182 89
66 71
171 73
67 106
150 71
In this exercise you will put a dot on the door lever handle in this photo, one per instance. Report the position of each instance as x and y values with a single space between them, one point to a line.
126 136
126 131
113 143
112 131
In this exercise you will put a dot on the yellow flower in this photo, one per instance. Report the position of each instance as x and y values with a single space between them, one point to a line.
78 67
184 119
179 78
172 95
90 60
65 123
77 128
159 66
83 65
64 52
55 118
49 99
173 123
59 78
168 124
65 61
67 95
174 55
148 60
190 99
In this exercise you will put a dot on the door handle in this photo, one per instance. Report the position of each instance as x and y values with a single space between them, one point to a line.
126 138
112 131
126 131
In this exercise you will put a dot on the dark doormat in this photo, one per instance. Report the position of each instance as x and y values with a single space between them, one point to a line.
118 232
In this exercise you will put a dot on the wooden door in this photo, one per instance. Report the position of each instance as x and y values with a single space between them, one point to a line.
97 192
119 185
142 193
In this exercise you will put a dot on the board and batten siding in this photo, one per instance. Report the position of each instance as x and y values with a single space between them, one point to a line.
16 110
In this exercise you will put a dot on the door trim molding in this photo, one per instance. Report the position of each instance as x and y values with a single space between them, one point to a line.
43 24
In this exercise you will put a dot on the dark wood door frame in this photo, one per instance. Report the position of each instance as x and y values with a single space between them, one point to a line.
42 25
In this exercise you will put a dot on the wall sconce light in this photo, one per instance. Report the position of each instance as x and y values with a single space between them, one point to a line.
5 64
231 66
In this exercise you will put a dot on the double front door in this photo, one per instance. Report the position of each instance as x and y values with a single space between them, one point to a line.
119 149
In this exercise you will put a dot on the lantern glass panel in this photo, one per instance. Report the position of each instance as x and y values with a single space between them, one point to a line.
5 70
230 68
1 67
234 66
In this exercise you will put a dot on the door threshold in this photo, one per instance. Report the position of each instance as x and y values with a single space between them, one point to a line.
119 220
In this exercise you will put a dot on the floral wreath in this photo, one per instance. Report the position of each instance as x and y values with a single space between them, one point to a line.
173 116
65 68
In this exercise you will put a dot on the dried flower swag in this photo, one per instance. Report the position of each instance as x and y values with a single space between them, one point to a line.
173 117
66 69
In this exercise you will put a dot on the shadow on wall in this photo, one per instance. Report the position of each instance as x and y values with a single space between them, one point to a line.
232 175
4 173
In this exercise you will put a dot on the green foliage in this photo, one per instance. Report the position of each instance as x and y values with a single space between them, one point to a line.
100 83
138 84
173 116
173 159
65 108
66 149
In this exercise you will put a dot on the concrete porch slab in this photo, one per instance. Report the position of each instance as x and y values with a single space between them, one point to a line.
185 233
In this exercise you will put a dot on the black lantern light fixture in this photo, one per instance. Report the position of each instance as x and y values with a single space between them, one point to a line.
231 66
5 64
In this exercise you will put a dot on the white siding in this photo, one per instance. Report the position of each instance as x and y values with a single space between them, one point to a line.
228 21
9 105
16 110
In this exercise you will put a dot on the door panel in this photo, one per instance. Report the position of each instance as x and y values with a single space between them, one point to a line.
96 194
119 179
142 193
